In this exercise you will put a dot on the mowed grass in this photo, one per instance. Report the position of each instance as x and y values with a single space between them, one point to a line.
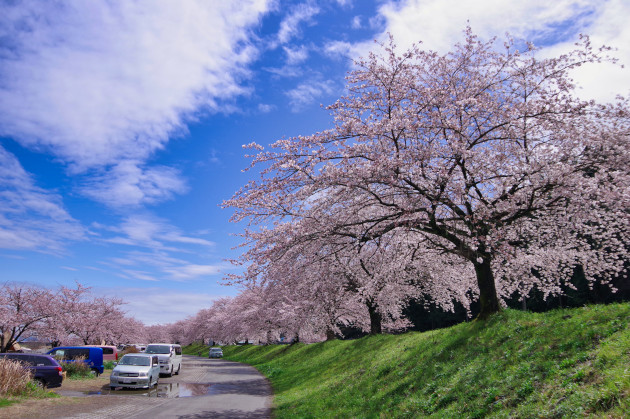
564 363
196 348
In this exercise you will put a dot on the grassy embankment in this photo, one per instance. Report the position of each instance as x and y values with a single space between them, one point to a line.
565 363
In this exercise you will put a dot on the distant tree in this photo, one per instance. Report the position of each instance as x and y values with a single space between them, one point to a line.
157 333
79 315
484 155
125 330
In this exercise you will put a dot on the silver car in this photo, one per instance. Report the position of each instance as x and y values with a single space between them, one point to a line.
215 353
136 371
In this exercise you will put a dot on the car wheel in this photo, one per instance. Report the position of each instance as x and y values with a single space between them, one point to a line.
170 374
179 367
40 383
112 388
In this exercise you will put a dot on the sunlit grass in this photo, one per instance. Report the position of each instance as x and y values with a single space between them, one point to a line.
565 363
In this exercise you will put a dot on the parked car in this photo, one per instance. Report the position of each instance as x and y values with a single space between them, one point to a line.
136 370
110 352
93 356
170 356
46 371
139 346
215 353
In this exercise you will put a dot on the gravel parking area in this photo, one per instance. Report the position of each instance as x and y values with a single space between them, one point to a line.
204 389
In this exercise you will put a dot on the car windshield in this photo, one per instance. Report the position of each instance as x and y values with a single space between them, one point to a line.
135 360
216 350
158 349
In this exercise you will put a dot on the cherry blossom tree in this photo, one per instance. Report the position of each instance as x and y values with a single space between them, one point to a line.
125 330
58 327
22 309
157 333
485 156
201 326
316 285
88 317
81 317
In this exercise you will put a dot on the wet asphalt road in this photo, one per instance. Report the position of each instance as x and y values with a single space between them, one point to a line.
205 388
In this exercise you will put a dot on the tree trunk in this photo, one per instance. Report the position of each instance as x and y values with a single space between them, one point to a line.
330 335
375 318
487 290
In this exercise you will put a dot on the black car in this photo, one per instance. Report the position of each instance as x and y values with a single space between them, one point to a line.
46 370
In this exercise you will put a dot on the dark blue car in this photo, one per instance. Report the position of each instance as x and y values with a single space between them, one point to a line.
93 356
46 371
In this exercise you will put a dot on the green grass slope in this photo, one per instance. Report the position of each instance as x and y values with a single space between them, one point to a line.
565 363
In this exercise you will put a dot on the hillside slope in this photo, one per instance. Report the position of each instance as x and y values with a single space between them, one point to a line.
564 363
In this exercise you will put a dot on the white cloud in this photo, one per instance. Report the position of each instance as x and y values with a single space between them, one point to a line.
341 49
152 232
290 25
608 27
31 217
129 185
141 275
307 93
159 306
193 271
356 22
100 82
552 25
265 107
296 55
439 23
160 240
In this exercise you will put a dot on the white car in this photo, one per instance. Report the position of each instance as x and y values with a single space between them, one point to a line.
169 355
136 370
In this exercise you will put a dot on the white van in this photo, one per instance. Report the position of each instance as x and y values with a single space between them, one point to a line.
169 356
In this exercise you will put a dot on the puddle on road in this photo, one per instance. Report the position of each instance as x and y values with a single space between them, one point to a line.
164 390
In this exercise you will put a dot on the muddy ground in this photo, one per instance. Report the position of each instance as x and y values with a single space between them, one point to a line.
63 405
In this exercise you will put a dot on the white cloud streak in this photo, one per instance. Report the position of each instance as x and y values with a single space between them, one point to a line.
152 232
296 55
128 184
290 25
31 218
193 271
307 93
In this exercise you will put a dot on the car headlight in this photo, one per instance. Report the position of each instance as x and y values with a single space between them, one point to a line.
142 374
114 373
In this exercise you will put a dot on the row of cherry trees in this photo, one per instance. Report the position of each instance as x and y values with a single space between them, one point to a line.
473 176
478 175
63 316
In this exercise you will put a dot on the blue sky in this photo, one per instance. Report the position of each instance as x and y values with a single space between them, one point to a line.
121 123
